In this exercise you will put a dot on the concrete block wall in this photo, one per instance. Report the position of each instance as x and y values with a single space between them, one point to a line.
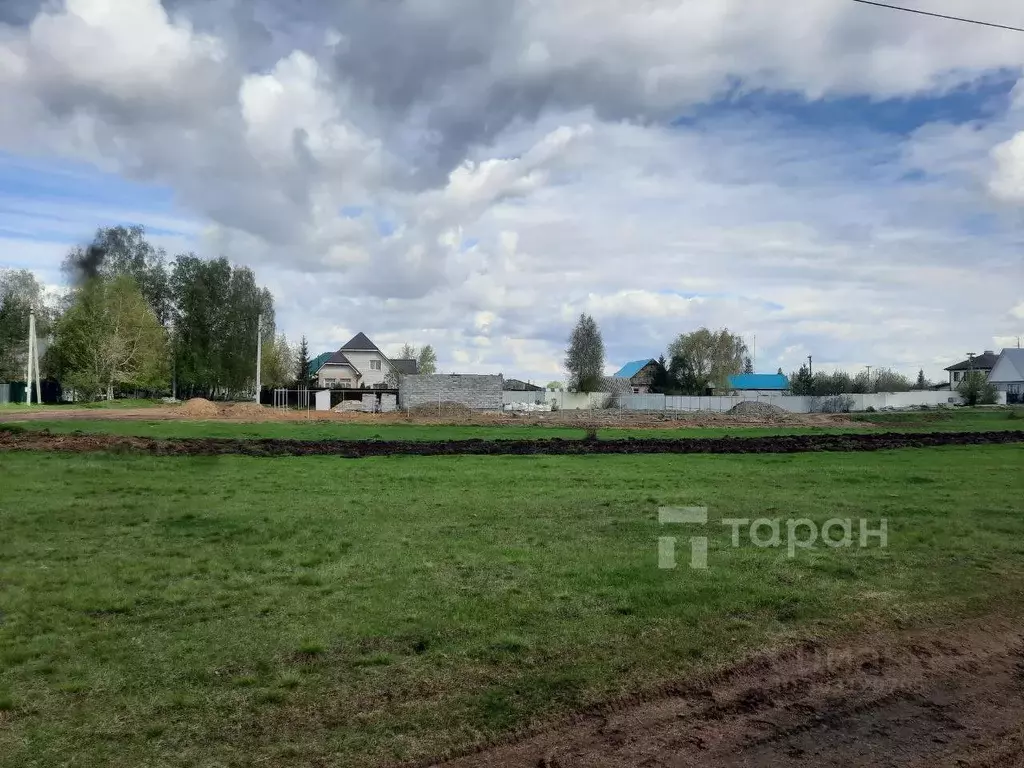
369 403
388 403
474 391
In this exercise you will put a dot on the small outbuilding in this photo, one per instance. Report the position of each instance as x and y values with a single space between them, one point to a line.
758 384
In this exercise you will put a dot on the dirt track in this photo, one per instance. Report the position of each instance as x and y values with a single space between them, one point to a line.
250 413
15 440
945 698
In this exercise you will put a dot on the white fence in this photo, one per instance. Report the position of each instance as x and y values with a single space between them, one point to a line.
720 404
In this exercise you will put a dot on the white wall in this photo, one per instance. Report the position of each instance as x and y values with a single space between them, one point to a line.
361 360
323 400
720 404
338 373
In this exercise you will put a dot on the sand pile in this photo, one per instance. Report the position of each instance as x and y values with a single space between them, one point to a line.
247 409
199 408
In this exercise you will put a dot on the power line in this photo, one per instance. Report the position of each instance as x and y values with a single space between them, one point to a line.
940 15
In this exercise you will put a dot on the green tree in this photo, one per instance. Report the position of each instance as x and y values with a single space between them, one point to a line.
713 356
888 380
801 382
302 363
216 312
555 386
976 389
661 382
408 352
427 360
19 293
278 363
584 359
111 337
748 365
922 382
682 378
121 250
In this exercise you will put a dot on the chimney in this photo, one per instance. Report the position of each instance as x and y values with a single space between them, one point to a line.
989 352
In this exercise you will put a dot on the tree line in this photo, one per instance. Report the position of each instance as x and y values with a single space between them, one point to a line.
703 360
137 321
695 362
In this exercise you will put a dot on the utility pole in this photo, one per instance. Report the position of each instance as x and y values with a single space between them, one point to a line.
869 378
259 354
28 367
35 354
810 365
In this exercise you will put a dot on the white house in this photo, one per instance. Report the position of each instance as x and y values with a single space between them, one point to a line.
982 363
1008 375
359 364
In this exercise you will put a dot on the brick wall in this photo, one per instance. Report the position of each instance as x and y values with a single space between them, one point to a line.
473 391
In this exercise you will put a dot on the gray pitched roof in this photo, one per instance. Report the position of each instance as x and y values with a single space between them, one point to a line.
1011 367
983 362
406 366
515 385
360 343
338 358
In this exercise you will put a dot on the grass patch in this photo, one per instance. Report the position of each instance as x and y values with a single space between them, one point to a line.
961 419
228 610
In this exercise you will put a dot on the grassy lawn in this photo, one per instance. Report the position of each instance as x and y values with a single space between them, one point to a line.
234 611
959 420
100 405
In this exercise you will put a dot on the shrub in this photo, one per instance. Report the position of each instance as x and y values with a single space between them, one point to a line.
976 389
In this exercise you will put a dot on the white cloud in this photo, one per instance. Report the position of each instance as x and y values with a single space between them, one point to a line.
1007 182
516 164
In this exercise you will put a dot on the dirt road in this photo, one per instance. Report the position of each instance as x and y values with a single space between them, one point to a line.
923 700
354 449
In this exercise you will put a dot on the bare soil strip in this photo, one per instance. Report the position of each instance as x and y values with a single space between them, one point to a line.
941 698
77 443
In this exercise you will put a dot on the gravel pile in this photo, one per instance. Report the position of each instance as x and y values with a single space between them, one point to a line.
760 410
350 406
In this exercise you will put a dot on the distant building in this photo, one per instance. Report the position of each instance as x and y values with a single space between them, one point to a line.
983 363
515 385
639 375
358 364
758 384
1007 375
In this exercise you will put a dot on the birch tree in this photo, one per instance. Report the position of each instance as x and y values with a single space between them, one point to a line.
110 336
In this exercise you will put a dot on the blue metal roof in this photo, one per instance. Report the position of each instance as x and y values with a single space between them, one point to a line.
629 370
758 381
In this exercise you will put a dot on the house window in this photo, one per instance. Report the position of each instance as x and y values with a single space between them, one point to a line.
330 382
956 376
375 365
345 382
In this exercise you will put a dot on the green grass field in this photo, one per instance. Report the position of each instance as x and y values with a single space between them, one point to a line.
313 611
958 420
100 405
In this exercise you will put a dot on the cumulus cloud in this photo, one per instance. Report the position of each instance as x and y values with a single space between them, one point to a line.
474 175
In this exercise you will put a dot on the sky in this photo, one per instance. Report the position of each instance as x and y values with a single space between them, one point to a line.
822 177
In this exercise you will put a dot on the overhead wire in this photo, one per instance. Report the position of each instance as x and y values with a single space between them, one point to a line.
939 15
